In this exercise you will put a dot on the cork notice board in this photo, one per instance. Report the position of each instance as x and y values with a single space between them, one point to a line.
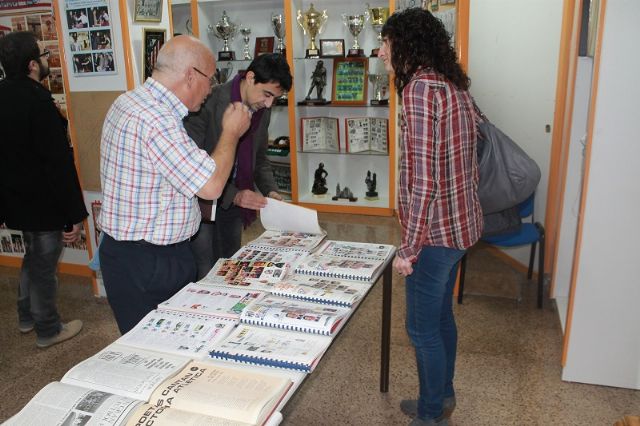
88 110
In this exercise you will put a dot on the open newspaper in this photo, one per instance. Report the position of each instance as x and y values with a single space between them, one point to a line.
194 394
288 228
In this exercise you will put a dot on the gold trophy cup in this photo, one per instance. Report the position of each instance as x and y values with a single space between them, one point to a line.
379 16
312 23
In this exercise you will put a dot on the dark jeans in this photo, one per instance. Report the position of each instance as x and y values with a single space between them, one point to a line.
221 238
138 276
431 325
38 282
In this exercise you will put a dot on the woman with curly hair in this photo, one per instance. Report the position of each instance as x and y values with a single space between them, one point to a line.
439 210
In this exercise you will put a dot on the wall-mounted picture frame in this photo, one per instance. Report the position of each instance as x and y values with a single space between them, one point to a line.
349 81
332 48
263 45
152 41
147 11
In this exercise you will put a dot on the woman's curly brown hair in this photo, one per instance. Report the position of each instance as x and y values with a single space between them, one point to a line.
419 40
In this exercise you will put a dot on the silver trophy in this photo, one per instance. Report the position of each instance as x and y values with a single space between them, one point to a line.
355 24
246 31
277 22
223 73
224 30
380 81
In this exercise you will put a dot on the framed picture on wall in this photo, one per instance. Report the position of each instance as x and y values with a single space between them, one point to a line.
152 41
331 48
349 81
147 11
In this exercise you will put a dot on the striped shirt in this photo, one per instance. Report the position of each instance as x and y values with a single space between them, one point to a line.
150 168
438 200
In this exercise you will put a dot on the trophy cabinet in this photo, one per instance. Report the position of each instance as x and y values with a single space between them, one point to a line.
350 85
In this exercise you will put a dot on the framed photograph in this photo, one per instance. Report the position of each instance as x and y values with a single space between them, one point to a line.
263 45
349 81
332 48
148 11
152 41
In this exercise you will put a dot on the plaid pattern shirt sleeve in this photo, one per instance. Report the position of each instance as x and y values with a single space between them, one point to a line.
438 202
150 168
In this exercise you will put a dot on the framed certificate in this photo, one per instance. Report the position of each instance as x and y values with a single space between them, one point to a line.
331 48
350 81
263 45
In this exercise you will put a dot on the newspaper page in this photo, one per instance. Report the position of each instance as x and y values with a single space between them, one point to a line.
222 302
125 371
283 216
62 404
181 333
248 397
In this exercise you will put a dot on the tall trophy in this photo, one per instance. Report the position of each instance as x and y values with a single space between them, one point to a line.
224 30
277 22
312 23
246 32
355 24
379 16
223 73
380 81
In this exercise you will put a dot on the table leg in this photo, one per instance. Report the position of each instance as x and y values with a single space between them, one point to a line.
386 329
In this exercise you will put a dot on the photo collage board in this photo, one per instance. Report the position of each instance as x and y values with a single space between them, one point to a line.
88 23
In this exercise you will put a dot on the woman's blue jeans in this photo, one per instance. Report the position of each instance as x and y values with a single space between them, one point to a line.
431 326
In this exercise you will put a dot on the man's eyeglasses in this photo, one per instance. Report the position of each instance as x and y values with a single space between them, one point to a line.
213 81
46 54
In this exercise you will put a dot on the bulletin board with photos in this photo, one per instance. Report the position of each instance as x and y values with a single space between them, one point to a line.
88 24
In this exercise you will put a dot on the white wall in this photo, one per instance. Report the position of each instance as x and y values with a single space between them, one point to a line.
604 343
513 58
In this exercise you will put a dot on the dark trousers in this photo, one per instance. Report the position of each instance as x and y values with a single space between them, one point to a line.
138 275
38 283
214 240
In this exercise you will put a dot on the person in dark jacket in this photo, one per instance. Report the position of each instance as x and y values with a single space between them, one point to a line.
39 189
220 233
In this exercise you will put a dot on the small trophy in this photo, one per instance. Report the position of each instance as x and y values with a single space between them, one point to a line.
224 30
277 22
379 16
355 24
380 82
283 99
223 74
312 23
246 31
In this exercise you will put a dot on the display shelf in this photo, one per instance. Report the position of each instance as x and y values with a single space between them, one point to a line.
347 169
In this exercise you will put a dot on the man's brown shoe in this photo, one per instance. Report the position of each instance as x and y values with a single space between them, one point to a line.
69 330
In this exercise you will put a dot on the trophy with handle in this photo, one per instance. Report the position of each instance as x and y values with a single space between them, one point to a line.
224 29
277 22
246 32
380 81
312 23
355 24
379 16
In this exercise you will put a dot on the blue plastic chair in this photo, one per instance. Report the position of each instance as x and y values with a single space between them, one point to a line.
529 233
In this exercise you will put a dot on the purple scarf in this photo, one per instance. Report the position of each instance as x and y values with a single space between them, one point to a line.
244 156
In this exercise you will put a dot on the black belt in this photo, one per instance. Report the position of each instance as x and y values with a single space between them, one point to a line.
148 244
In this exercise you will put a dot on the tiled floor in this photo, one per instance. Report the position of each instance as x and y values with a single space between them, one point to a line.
508 369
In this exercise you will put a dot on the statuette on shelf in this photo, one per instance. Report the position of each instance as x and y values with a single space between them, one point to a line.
371 183
320 181
225 30
318 82
344 194
312 23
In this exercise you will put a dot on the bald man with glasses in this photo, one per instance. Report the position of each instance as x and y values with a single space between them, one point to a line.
151 172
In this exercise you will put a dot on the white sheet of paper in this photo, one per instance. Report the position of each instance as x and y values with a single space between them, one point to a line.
283 216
